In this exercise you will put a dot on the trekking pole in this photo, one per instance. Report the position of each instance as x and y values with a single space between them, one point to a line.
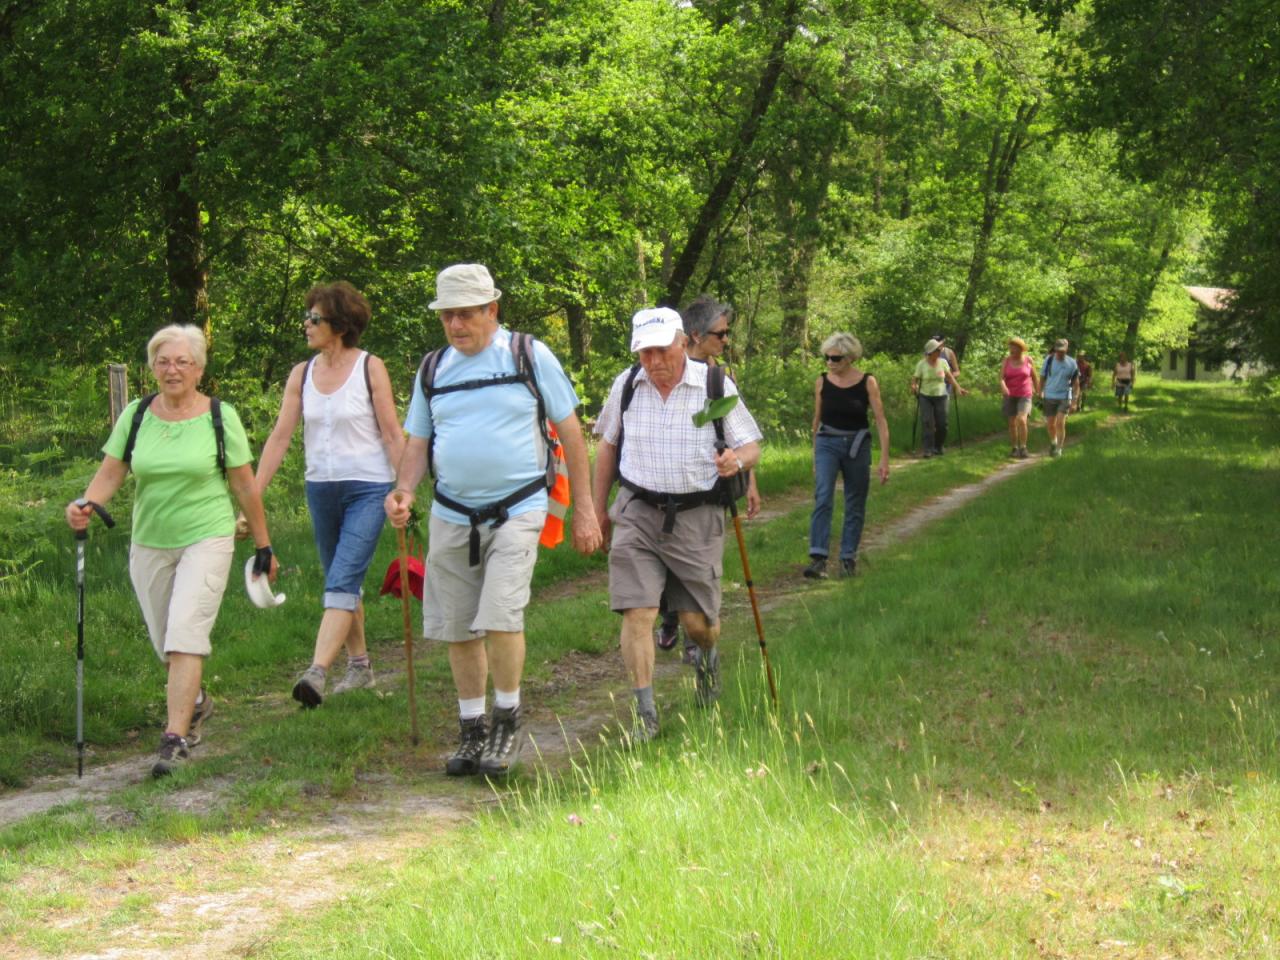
81 537
959 428
408 634
915 419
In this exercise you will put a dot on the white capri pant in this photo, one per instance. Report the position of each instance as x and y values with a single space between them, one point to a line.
180 591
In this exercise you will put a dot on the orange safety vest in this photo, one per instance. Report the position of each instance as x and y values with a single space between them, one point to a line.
557 497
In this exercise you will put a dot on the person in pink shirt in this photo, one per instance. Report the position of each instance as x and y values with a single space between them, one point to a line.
1018 382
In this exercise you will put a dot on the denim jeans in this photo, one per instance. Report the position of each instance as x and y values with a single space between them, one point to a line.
933 417
831 457
347 518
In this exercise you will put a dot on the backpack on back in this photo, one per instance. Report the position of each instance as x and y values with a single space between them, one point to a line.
215 413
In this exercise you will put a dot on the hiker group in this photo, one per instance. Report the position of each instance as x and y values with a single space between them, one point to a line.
492 419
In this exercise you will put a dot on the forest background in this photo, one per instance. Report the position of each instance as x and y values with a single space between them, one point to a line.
892 167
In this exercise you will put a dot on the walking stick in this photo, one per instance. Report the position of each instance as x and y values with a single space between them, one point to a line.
915 420
408 634
959 428
81 537
755 604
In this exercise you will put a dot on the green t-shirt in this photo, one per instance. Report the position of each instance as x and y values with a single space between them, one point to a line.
933 380
181 497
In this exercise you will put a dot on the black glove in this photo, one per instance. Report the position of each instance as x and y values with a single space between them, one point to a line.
262 560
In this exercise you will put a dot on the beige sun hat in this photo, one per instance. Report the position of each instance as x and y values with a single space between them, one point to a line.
931 345
464 285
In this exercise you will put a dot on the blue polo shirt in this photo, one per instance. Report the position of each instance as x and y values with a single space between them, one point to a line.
488 443
1057 377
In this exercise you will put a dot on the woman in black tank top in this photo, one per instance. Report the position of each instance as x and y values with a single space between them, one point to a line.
842 398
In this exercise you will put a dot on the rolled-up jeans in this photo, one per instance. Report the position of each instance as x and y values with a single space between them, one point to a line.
831 456
347 517
933 420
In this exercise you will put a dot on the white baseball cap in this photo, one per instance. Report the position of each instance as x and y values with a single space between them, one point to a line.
464 285
655 327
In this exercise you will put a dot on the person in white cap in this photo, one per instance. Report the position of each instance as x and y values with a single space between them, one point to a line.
1060 378
668 518
477 417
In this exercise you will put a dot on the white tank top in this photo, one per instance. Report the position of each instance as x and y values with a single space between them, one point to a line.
340 432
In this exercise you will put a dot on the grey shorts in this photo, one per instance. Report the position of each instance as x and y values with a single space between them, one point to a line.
1054 407
462 602
1016 406
686 564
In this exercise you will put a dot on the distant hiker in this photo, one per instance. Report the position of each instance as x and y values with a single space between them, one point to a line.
1086 379
185 449
1019 382
1059 377
352 440
842 396
477 420
706 324
668 518
929 383
1123 376
948 355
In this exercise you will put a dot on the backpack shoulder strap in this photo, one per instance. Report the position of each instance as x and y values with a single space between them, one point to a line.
628 392
219 435
522 354
715 390
134 425
427 372
1044 371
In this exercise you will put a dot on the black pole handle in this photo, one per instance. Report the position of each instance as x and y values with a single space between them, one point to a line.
101 511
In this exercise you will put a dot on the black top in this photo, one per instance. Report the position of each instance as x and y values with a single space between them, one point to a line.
845 408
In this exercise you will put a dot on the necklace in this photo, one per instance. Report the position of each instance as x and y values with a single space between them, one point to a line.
177 412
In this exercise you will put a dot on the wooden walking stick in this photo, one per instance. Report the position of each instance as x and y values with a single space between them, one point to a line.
408 634
755 604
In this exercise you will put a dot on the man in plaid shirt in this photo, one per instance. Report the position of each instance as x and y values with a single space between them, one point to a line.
668 519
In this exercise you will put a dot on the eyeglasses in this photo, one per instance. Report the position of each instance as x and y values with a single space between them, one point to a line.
722 334
314 318
834 357
181 364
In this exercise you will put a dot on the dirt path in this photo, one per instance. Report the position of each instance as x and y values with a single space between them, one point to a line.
201 896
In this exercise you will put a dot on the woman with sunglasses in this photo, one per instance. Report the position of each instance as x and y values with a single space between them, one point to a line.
353 442
842 398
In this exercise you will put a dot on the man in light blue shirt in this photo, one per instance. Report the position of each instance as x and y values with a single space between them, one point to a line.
1059 376
482 432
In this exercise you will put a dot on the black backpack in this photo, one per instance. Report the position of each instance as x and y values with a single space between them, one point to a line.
522 353
733 488
215 412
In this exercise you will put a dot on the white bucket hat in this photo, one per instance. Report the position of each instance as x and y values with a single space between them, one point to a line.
654 327
464 285
259 590
931 345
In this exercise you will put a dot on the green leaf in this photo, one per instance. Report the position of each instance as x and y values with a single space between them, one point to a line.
714 410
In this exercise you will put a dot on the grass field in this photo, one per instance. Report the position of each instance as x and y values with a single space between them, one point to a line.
1043 727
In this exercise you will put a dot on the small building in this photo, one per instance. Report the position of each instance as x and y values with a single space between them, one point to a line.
1190 363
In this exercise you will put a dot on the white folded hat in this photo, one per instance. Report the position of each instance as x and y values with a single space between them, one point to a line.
259 590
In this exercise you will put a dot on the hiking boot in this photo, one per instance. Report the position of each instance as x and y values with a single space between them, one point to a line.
928 454
707 691
817 568
645 727
1022 453
1014 452
506 740
472 735
667 634
201 713
689 656
174 752
1055 451
309 690
849 567
357 678
938 452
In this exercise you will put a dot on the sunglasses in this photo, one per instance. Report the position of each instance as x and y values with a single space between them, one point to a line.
834 357
722 334
314 318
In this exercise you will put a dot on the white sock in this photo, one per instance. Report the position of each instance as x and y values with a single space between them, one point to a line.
470 709
506 700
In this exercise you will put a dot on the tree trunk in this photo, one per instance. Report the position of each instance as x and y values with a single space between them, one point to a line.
713 206
579 332
1143 301
1001 159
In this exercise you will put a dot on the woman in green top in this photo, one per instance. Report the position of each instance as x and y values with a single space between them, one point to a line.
929 384
182 523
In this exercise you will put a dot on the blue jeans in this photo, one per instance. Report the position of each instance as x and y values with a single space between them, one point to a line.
831 457
347 517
